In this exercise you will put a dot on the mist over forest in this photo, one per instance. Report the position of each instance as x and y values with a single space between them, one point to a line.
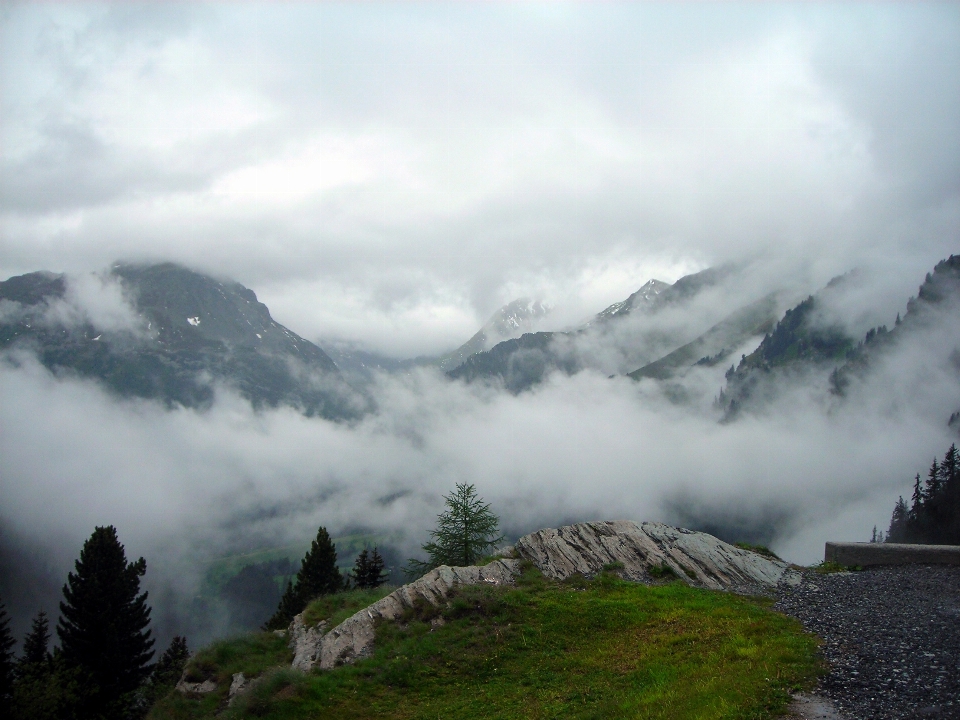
385 179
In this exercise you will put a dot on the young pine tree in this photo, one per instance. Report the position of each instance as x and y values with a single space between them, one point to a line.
167 671
318 575
465 532
898 522
368 569
103 628
38 693
35 644
950 467
6 662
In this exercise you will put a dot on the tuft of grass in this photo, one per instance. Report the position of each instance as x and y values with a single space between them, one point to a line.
661 572
759 549
339 606
613 566
599 648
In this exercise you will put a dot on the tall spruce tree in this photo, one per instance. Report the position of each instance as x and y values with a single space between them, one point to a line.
103 628
6 661
465 532
318 575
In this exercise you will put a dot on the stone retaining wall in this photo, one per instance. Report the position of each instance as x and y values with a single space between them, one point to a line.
867 554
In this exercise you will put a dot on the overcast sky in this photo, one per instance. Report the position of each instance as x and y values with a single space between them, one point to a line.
391 174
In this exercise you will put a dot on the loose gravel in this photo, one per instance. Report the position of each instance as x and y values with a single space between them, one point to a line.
891 637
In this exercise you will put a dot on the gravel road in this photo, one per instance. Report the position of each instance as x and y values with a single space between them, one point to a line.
891 636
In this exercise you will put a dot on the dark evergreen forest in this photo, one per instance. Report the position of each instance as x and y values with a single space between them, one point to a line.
933 515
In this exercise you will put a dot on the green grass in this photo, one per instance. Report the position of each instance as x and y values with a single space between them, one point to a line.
828 567
600 648
759 549
337 608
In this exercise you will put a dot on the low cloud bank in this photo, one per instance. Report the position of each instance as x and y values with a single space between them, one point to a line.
184 486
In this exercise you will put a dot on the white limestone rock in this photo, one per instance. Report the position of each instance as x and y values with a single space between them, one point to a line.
238 684
304 641
695 557
200 688
353 638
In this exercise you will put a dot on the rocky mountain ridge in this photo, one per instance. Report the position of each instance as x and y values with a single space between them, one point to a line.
186 332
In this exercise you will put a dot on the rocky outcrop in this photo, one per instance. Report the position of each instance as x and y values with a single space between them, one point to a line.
238 685
196 688
634 550
353 638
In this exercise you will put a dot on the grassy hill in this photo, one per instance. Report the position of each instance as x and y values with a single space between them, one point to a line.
597 648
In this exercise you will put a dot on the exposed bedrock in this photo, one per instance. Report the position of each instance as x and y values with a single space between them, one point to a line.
695 557
353 638
587 548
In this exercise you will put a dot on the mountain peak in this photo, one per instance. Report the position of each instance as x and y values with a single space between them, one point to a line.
643 297
188 332
509 322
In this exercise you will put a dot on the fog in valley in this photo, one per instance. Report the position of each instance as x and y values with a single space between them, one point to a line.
385 177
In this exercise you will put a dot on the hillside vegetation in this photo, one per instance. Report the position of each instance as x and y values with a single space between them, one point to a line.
597 648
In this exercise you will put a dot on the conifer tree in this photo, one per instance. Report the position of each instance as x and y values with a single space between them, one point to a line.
168 669
286 609
35 644
6 661
465 532
318 575
898 522
368 569
38 693
934 514
103 628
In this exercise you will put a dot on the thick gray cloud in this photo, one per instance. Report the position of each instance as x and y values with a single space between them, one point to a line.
392 174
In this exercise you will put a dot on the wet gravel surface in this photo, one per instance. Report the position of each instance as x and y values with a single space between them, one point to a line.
891 636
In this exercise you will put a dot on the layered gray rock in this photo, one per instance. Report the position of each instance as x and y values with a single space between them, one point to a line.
587 548
353 638
695 557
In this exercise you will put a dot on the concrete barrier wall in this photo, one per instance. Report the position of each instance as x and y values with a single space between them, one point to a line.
867 554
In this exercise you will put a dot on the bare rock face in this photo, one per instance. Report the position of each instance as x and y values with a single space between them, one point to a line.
695 557
238 684
304 641
353 638
588 548
200 688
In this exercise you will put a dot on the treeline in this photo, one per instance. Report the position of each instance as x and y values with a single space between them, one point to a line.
102 668
933 515
319 575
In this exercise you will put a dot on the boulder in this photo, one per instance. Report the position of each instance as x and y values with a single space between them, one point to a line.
353 638
238 684
200 688
696 558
